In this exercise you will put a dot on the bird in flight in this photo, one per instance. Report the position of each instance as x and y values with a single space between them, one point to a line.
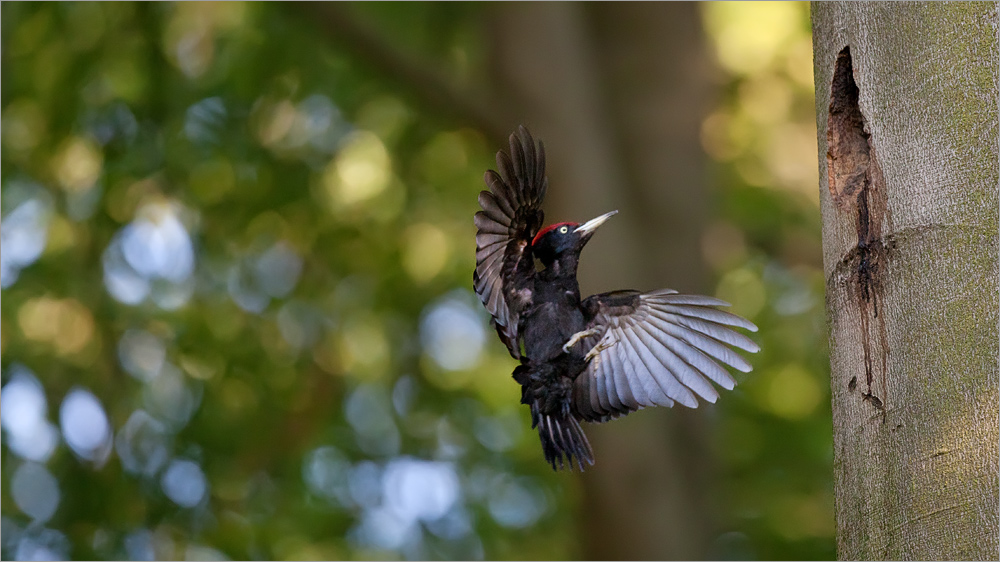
593 359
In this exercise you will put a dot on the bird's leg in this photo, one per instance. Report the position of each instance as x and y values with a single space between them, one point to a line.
579 336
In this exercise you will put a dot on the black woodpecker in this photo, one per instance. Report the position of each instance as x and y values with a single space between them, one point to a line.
592 359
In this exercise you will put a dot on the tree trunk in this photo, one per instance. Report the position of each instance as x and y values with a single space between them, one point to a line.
906 101
617 92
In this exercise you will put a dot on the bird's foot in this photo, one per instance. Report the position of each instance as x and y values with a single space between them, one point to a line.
595 351
577 337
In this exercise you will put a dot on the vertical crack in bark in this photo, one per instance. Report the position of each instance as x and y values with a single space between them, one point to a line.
858 188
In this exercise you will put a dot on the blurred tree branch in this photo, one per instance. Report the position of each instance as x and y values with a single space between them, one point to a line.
421 78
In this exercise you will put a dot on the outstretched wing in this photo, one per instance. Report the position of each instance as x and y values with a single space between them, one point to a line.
510 218
657 348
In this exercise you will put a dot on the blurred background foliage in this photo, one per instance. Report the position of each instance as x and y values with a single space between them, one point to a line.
238 321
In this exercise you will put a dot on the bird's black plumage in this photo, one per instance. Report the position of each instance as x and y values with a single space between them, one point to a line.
592 359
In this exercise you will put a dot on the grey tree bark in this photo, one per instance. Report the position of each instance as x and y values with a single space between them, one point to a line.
906 103
617 92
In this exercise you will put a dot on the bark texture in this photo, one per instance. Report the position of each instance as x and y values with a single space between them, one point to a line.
906 102
617 92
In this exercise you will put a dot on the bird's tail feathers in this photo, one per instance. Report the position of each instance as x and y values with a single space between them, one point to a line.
563 440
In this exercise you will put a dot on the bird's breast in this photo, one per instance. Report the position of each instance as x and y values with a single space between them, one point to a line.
550 325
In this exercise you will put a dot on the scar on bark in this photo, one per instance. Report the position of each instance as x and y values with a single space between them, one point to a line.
858 189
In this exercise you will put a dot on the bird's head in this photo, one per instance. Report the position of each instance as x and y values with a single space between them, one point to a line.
557 239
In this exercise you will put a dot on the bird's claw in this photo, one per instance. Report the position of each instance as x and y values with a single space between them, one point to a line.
577 337
595 351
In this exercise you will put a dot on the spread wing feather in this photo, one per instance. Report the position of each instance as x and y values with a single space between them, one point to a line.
628 380
657 348
510 218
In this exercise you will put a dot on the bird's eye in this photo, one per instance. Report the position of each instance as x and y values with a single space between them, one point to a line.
564 230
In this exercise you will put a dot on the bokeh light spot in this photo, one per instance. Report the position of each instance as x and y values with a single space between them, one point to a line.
516 503
202 552
369 411
360 171
23 410
85 425
365 484
300 324
744 290
499 433
202 123
23 234
143 444
78 164
64 323
184 483
748 35
420 490
139 545
452 333
274 121
43 544
152 256
277 270
170 397
425 251
364 347
35 491
141 354
793 392
157 245
325 471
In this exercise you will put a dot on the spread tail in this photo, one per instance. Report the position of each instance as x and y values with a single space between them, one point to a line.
562 437
563 440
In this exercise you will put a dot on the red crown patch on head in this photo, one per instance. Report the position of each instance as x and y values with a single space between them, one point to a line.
550 228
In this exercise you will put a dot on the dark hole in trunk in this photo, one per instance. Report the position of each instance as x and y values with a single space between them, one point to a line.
848 150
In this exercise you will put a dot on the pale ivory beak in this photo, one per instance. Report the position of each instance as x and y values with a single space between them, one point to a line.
591 225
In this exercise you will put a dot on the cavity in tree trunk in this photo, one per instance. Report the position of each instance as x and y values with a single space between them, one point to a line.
906 101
